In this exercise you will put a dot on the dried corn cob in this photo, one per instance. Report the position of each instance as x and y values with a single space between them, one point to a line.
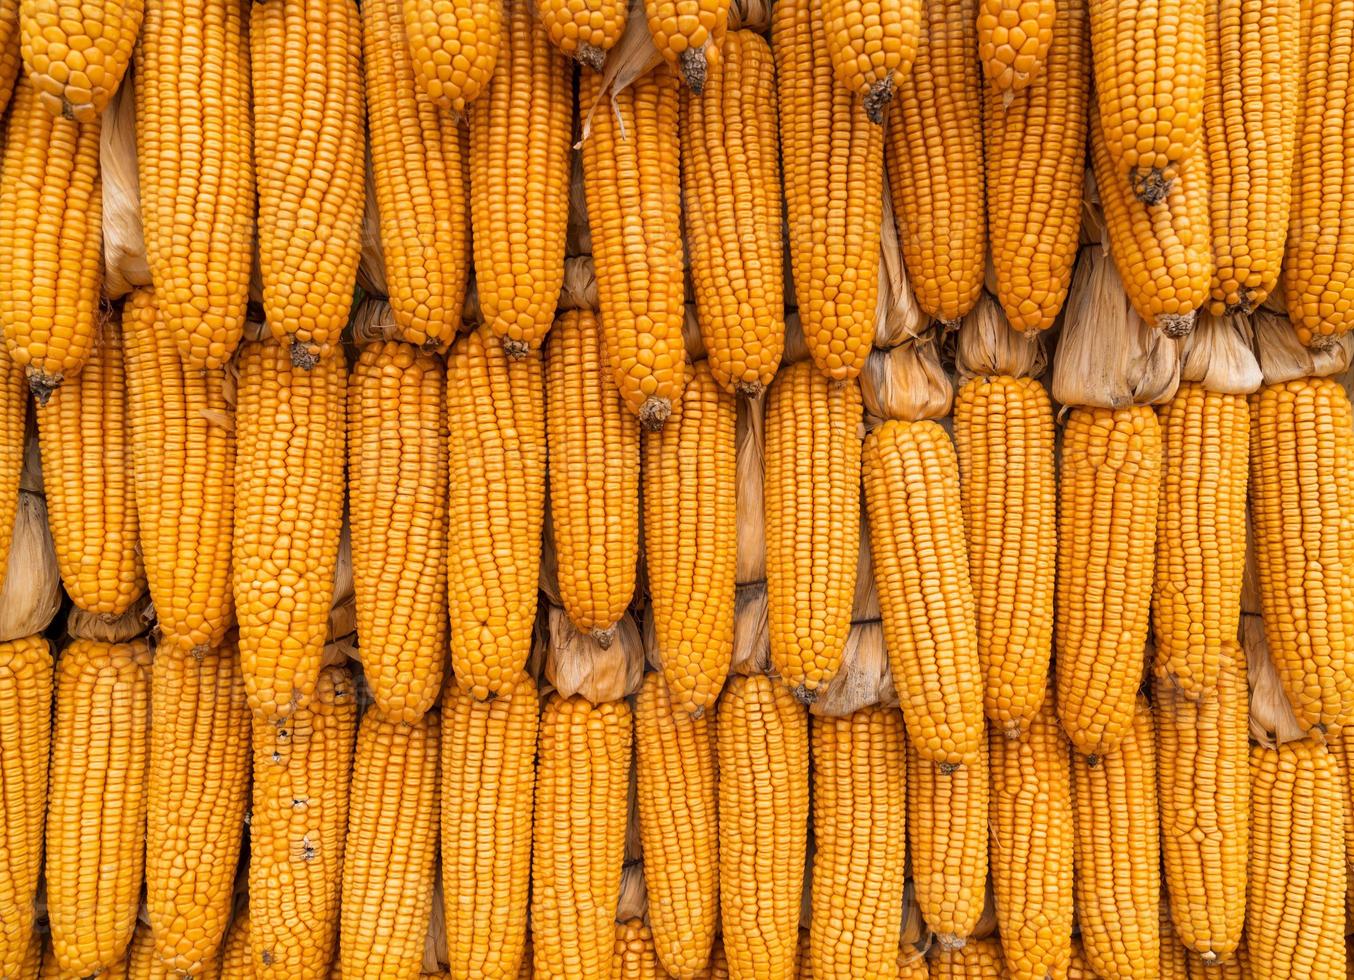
455 47
13 419
1014 39
978 959
584 29
10 56
688 34
76 53
872 47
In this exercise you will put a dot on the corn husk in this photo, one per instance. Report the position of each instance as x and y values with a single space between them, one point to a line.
987 345
575 663
1272 720
343 566
579 291
864 678
634 842
342 651
577 235
691 335
102 628
751 630
906 382
1283 357
30 477
471 314
751 439
752 15
897 315
435 955
31 594
1218 354
796 347
865 605
548 577
1250 579
371 267
631 58
634 898
1107 357
1094 231
372 321
987 922
124 243
913 930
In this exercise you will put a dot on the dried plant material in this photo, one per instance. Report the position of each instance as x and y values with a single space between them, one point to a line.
371 267
342 619
691 335
1094 230
865 607
632 57
752 15
124 243
435 955
31 594
577 664
865 677
913 931
343 565
1218 355
751 630
340 651
1284 358
1272 719
634 899
906 382
81 625
579 291
577 236
751 441
373 321
988 345
796 347
897 315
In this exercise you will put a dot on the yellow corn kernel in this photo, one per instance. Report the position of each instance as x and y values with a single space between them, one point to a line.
634 956
455 47
13 420
873 46
1014 39
10 55
1342 747
76 52
1078 968
584 29
688 34
236 957
977 959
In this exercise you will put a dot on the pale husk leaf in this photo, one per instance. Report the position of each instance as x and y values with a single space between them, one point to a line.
1217 354
342 618
1284 358
577 664
988 345
1271 719
579 291
124 243
751 630
906 382
750 436
343 566
373 321
1250 579
548 577
435 954
633 902
632 57
691 334
796 347
865 605
30 477
136 620
1094 231
752 15
371 267
340 651
913 930
897 315
864 678
578 235
31 595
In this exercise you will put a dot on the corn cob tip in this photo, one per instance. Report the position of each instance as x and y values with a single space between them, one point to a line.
878 99
515 349
41 384
752 389
694 68
1176 325
654 412
302 356
805 696
1092 760
1012 730
603 637
949 941
1151 187
948 768
590 55
1321 343
1245 305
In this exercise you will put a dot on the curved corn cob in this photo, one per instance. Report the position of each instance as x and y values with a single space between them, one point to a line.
454 47
1031 846
1302 482
288 515
872 46
198 798
194 145
635 957
1296 916
579 835
51 254
690 530
389 860
762 735
1036 151
13 419
1107 514
25 743
812 479
1342 748
631 178
306 60
237 961
520 158
143 963
496 416
833 161
1003 430
688 34
584 29
10 55
1236 968
921 571
1250 127
1118 855
1174 962
85 437
731 186
96 809
296 833
1014 39
1149 79
418 171
1201 534
183 469
947 830
488 767
1203 786
677 800
593 443
76 52
1078 968
397 512
860 829
935 164
977 959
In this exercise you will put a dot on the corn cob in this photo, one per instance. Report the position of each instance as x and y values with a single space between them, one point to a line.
418 172
13 419
198 798
496 416
50 257
75 53
194 139
306 60
10 55
85 438
296 833
872 46
921 570
397 511
582 776
1236 968
1036 147
631 179
50 969
594 477
1302 465
812 479
25 742
1031 846
634 956
762 736
935 163
584 29
519 182
143 963
677 800
455 47
688 34
731 184
1174 962
391 851
183 468
690 530
947 829
1201 534
96 812
833 161
978 959
1014 40
1118 858
1108 490
1078 968
288 516
1342 748
1150 77
912 963
1296 913
236 956
860 828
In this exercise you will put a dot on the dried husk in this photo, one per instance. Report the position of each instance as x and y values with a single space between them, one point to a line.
31 595
1218 355
341 651
864 679
1283 357
752 15
575 663
577 236
1272 720
796 347
342 618
548 577
103 628
343 566
750 435
471 314
751 630
988 345
1250 579
30 477
632 57
691 334
1107 357
579 291
124 243
634 898
1276 301
987 922
1094 231
913 930
865 605
906 382
373 321
435 955
897 315
371 267
634 840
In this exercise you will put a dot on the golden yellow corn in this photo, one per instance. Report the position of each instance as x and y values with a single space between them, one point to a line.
579 832
288 516
912 963
731 187
1342 748
1302 482
306 61
198 798
688 35
762 735
455 47
690 535
1296 913
631 179
236 957
1014 38
584 29
833 160
13 419
977 959
496 417
76 52
1108 490
634 956
1174 961
1236 968
812 480
51 969
142 962
1078 968
296 831
872 47
397 512
418 171
51 263
1118 853
10 55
